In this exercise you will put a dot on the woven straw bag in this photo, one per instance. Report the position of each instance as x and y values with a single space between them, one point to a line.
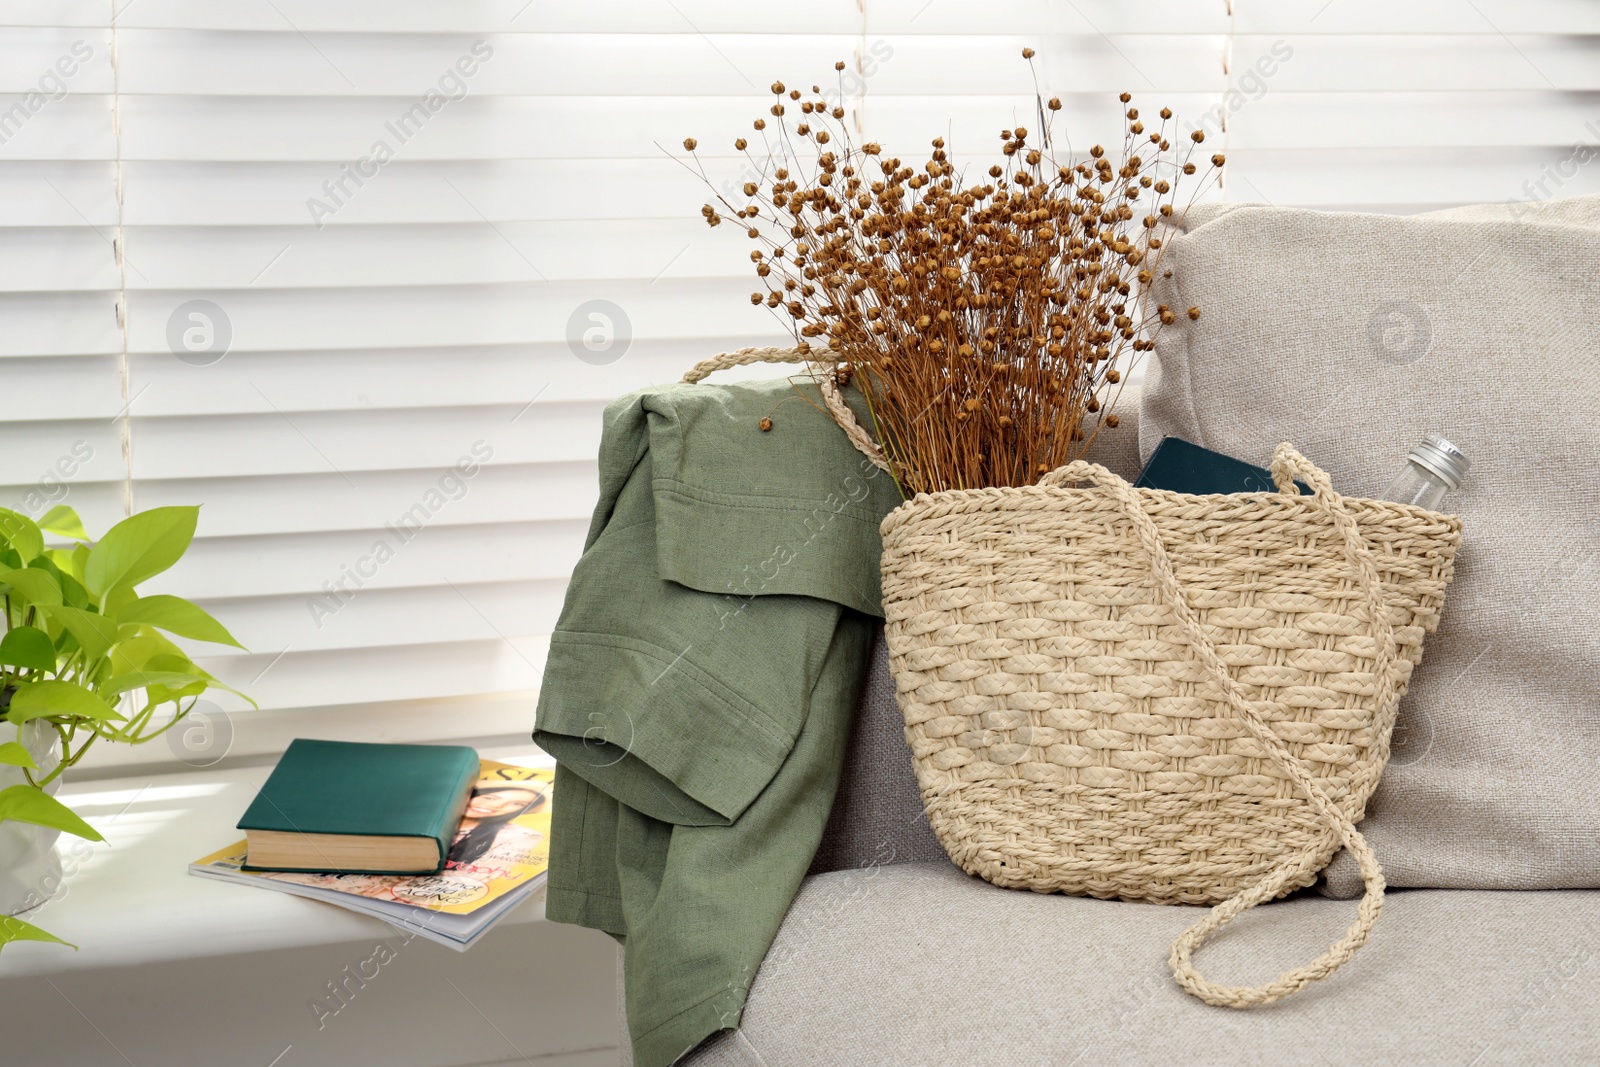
1154 696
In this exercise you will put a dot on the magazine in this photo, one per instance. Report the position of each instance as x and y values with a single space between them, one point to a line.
499 858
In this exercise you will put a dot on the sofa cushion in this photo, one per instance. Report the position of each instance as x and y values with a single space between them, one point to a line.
877 815
922 964
1352 335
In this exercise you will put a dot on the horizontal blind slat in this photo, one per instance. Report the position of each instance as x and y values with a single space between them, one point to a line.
339 131
289 64
378 379
394 617
534 312
319 502
59 324
350 442
286 680
413 549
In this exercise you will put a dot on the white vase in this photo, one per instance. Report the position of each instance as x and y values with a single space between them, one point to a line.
30 867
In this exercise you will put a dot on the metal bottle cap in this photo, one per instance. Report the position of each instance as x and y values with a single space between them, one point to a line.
1442 458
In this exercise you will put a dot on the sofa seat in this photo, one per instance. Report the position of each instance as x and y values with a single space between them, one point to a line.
921 964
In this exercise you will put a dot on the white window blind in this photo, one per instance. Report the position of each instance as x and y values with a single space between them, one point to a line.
1410 107
398 217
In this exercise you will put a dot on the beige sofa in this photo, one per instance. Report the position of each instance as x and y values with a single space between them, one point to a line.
1349 335
890 955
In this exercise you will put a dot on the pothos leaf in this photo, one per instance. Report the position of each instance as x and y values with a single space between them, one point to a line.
125 683
72 594
33 584
139 547
36 700
64 521
14 929
177 616
22 533
29 803
28 646
13 754
94 632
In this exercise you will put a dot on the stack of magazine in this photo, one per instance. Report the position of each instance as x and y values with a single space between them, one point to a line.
499 858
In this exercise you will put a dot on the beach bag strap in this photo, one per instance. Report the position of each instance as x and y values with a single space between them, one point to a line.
818 358
1287 464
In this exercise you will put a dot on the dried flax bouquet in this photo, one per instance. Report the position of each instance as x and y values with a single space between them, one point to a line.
987 322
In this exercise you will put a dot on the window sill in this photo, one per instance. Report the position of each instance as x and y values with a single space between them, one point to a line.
132 900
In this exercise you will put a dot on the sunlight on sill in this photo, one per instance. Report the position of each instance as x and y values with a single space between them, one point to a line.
110 801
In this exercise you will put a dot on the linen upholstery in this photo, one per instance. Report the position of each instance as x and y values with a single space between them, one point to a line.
877 816
921 964
1352 335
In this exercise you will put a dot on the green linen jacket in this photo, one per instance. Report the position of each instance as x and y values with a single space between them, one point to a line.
700 686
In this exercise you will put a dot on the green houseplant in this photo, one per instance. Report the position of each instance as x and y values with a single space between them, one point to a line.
85 657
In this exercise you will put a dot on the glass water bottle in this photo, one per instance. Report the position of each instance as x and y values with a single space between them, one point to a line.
1433 468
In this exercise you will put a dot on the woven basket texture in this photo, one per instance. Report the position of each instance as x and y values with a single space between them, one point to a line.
1066 738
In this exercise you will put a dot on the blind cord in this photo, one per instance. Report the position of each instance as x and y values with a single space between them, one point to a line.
118 239
1227 85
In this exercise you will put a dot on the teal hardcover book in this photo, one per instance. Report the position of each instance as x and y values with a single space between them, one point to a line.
1184 467
347 807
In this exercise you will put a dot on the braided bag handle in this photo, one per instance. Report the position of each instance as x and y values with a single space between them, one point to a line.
1286 465
830 390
